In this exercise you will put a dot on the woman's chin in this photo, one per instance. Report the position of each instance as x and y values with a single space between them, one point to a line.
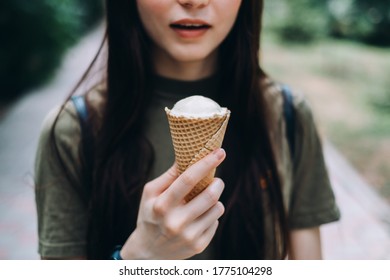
190 58
194 56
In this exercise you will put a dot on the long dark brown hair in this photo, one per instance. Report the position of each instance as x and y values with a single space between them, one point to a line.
122 157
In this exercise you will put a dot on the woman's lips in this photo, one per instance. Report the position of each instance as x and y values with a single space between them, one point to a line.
190 28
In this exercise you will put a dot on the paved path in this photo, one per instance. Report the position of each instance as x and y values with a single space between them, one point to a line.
362 233
19 131
364 229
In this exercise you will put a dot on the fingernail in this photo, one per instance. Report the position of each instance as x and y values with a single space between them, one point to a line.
217 186
219 153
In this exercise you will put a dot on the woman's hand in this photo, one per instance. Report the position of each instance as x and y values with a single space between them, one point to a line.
169 228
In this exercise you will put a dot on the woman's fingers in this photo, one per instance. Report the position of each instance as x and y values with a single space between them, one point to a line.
204 201
184 215
161 183
175 194
202 223
204 240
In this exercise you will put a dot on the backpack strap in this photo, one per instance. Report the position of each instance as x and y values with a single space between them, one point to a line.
289 117
81 108
86 132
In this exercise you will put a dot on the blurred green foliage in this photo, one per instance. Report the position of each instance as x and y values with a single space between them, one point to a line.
363 20
34 37
299 20
307 20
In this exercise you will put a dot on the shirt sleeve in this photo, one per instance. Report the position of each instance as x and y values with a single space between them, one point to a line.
62 214
312 199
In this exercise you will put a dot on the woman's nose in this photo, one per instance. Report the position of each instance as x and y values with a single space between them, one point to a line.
194 3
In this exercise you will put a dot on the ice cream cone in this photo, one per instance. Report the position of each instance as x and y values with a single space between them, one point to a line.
193 139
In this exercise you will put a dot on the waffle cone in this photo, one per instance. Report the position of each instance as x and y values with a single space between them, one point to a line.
193 139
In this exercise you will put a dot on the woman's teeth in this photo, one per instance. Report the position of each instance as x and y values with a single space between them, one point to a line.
189 26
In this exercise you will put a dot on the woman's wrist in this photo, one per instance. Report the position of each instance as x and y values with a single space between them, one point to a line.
131 250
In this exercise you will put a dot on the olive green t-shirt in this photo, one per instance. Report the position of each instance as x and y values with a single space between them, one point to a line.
62 218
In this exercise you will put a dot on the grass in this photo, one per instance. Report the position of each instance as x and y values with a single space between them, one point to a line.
348 87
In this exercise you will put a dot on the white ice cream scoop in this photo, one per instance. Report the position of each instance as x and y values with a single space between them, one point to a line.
197 106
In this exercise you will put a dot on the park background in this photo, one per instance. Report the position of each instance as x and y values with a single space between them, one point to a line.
336 51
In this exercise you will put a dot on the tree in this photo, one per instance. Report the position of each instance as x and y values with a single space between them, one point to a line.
35 35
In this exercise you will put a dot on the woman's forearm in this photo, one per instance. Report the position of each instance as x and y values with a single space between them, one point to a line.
305 244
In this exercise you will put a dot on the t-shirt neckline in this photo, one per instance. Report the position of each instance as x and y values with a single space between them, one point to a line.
174 88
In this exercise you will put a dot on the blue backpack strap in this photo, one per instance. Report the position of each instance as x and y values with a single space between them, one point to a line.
86 133
82 112
81 108
289 117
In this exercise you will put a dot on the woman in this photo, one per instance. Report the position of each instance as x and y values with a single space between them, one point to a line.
94 195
